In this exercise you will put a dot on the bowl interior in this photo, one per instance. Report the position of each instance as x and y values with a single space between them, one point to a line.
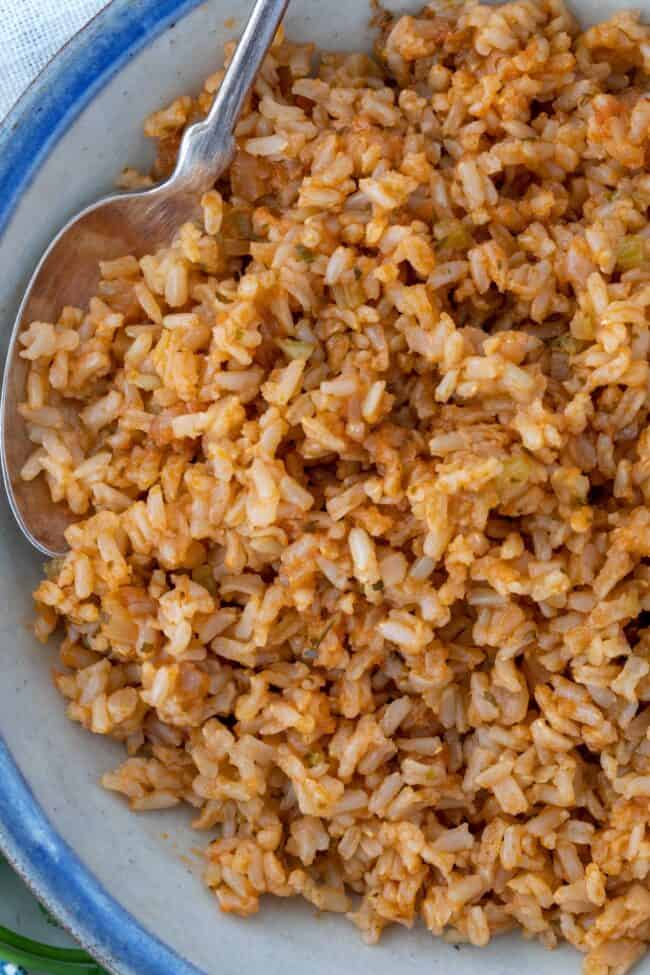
149 862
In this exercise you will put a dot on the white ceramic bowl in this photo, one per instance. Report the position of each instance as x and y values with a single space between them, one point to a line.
131 896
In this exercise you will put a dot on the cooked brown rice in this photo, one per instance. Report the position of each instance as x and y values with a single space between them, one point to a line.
364 474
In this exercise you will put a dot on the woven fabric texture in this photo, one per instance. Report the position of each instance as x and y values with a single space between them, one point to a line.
31 32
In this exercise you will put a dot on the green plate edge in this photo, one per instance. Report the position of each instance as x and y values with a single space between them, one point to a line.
18 950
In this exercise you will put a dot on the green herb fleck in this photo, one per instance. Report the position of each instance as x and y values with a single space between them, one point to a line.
53 567
631 253
312 651
566 343
305 253
357 273
295 349
204 575
378 586
313 759
454 237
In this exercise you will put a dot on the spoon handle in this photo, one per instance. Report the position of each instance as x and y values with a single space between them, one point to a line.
207 146
254 43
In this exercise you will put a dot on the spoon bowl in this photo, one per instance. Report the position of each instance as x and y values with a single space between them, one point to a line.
135 223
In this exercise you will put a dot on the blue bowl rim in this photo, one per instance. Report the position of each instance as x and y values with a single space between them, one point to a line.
29 841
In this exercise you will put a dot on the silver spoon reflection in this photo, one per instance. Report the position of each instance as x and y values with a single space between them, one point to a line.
128 223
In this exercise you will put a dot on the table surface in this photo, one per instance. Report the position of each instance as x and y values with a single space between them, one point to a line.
31 32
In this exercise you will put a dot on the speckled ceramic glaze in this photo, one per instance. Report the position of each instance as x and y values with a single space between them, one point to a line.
128 887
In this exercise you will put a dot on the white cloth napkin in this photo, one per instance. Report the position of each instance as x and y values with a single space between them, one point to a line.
31 32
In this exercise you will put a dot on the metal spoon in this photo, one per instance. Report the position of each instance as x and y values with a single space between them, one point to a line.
125 223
